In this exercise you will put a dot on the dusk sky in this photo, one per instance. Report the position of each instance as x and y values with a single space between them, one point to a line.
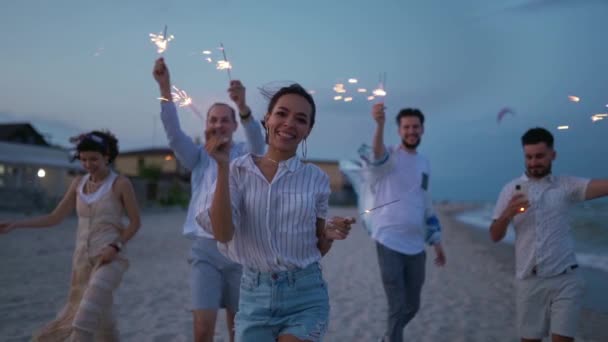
72 66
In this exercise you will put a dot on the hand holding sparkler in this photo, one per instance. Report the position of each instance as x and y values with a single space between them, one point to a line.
338 227
218 146
161 75
378 113
237 93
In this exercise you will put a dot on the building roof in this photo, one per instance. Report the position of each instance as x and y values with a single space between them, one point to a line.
24 154
22 133
147 151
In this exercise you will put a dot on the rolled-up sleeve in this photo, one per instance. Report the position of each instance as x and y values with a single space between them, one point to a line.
576 187
433 226
322 197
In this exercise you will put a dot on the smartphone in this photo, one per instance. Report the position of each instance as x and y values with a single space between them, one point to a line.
522 189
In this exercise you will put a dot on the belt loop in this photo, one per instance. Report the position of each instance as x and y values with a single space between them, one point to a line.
257 279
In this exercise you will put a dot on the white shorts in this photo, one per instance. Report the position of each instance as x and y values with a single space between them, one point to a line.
549 305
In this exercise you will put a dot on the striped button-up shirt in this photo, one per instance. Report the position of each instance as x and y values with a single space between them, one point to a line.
274 223
542 233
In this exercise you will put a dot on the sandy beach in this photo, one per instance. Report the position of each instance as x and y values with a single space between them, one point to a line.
471 299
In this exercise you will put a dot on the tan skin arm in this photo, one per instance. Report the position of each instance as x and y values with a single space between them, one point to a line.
499 227
597 188
336 229
124 188
63 209
324 244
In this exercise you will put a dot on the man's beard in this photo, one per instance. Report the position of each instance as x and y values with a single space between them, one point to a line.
411 146
539 173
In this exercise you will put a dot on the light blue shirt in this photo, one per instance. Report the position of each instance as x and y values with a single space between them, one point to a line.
204 168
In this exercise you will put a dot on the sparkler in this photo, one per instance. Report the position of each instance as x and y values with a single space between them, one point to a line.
182 99
380 92
598 117
161 40
224 65
367 211
564 127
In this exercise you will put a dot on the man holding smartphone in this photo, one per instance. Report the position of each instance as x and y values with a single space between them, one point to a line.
549 288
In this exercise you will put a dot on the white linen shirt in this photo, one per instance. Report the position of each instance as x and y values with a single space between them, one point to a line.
542 232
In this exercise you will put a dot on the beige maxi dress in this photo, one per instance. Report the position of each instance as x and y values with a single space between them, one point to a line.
87 315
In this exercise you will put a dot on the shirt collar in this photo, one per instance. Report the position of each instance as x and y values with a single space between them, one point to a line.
292 163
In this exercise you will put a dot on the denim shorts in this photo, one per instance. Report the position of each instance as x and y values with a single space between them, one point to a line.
282 303
214 279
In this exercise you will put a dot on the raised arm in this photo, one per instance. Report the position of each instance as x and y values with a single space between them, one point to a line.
63 209
378 140
253 129
220 213
186 151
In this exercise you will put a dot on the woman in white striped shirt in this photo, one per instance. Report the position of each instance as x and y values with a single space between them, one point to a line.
268 213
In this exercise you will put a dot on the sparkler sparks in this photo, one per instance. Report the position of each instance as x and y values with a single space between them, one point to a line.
161 40
181 97
573 98
367 211
598 117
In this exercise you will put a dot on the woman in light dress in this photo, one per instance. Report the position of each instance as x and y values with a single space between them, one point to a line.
101 198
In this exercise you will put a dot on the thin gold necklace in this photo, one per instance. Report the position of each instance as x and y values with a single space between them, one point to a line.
272 160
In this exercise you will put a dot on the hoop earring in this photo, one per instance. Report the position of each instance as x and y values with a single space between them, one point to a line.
267 134
304 149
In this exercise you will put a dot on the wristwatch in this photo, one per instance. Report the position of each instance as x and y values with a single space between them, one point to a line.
245 116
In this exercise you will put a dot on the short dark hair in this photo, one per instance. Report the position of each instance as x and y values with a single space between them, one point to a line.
409 112
537 135
103 142
232 111
295 89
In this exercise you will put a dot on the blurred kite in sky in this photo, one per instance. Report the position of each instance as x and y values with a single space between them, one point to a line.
503 112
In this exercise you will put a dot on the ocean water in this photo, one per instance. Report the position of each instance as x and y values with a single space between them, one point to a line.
589 222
